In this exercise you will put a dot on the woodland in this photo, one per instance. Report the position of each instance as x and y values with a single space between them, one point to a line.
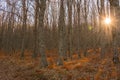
59 40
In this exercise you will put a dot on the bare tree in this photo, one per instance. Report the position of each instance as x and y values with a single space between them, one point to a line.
42 7
35 50
101 12
61 26
114 6
69 3
79 29
24 26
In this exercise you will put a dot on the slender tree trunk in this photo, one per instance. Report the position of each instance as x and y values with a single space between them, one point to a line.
42 7
85 28
35 49
79 29
115 13
23 27
2 32
102 31
1 35
61 25
70 28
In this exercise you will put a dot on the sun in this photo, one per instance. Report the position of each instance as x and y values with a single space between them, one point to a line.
107 20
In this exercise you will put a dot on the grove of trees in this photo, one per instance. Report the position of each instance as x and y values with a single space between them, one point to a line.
67 26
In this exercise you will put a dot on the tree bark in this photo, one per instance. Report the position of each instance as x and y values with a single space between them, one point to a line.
61 26
42 7
69 2
24 25
35 48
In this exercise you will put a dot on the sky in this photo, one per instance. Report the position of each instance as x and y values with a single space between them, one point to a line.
54 3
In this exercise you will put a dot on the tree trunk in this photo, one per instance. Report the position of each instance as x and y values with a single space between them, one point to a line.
61 25
35 48
115 13
102 31
69 2
42 7
79 30
23 27
85 28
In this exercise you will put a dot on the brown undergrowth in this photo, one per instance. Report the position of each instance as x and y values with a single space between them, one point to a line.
86 68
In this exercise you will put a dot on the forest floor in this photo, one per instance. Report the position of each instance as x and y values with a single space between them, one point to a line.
89 68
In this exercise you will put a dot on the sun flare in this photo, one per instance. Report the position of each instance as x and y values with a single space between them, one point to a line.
107 20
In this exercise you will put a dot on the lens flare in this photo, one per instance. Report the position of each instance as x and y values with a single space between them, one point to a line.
107 20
